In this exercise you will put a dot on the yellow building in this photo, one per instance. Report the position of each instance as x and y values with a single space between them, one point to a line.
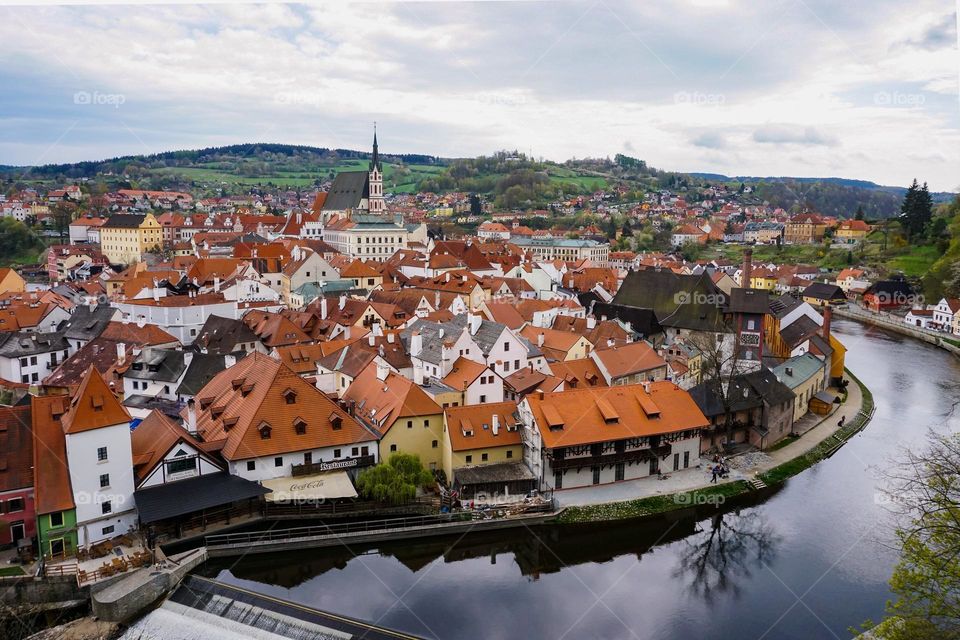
406 418
124 237
11 282
763 279
479 435
852 231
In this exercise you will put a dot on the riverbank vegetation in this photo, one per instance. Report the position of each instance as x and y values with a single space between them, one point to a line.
924 496
653 505
394 482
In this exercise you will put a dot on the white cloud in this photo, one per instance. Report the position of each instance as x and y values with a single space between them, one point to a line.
857 89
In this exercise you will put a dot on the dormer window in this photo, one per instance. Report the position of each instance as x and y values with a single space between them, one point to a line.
237 383
229 422
216 412
300 426
336 421
97 402
265 430
290 396
205 402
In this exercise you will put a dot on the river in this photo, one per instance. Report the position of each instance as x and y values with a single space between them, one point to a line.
808 560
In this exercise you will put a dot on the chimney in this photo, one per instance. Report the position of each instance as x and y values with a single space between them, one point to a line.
540 339
216 284
323 308
416 343
382 371
372 340
747 268
418 376
343 302
436 301
346 332
121 352
473 321
390 338
229 361
192 415
827 317
496 424
591 323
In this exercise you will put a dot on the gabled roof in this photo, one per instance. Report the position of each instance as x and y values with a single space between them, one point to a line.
347 190
683 301
222 335
463 373
93 406
824 291
153 439
628 359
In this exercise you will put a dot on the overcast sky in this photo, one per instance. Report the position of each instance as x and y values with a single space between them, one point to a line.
859 88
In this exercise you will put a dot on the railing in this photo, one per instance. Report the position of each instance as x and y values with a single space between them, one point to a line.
334 465
65 569
625 456
331 508
366 526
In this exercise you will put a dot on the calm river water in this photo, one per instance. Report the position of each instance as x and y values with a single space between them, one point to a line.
806 561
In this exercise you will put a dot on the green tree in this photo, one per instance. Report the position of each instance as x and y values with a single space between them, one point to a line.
925 497
859 215
916 210
396 481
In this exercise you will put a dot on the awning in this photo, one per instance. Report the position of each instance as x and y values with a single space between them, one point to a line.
320 486
189 496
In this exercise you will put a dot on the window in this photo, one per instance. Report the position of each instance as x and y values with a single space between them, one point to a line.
107 530
365 451
516 364
509 453
278 462
435 444
56 519
181 464
676 461
619 471
336 453
469 458
409 424
106 507
251 465
101 454
686 459
15 504
596 475
426 424
506 346
393 448
104 480
483 457
558 480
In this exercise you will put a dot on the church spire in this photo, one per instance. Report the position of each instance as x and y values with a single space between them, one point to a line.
375 158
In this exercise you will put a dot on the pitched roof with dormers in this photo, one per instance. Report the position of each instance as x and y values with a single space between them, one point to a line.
256 405
471 427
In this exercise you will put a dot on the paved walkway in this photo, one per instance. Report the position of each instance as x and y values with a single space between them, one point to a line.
742 467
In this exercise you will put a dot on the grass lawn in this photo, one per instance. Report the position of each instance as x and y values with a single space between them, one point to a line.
917 261
6 572
652 505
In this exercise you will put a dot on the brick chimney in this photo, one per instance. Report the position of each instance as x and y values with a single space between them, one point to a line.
747 268
827 317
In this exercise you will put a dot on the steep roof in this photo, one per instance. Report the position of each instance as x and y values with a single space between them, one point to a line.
683 301
380 403
347 190
53 491
16 447
463 373
93 406
624 360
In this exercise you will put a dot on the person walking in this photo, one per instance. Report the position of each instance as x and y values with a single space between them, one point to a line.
713 471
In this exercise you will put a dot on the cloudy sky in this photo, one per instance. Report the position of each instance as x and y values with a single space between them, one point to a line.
860 88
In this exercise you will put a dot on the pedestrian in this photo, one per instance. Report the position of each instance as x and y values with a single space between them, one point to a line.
713 471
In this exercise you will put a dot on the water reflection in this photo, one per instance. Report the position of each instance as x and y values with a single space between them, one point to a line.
720 557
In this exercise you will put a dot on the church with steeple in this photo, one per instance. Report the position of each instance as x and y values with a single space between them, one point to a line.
357 191
354 215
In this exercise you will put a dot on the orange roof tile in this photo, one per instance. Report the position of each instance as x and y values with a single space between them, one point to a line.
471 427
53 491
93 406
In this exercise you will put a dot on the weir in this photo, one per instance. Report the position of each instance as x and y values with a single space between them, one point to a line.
205 609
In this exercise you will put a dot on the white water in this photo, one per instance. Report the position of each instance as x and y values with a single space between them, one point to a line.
225 619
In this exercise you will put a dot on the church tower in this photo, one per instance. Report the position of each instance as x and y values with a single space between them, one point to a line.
375 201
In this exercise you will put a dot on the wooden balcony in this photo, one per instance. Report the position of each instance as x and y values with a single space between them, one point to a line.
610 459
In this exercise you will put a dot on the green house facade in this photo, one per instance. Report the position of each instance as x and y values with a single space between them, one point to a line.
57 534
